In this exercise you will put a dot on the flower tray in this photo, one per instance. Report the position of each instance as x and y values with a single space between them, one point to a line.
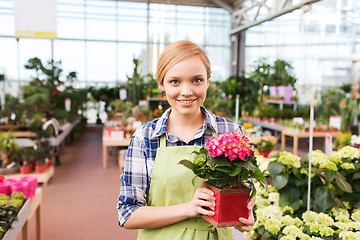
230 205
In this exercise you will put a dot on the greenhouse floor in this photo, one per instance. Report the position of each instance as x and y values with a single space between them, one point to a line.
80 200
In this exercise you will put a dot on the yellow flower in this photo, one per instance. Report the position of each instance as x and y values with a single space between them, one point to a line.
356 215
347 166
273 226
326 231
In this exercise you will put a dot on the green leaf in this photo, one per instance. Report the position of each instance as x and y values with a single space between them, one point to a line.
356 175
280 181
187 164
223 169
222 161
250 166
324 199
290 197
275 168
342 183
253 192
329 175
234 171
258 175
203 151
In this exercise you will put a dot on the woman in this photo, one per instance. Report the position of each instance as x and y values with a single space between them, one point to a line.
157 194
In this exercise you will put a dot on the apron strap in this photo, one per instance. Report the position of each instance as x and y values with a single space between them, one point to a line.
163 141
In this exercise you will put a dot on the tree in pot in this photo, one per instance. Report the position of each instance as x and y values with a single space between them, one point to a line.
7 147
284 78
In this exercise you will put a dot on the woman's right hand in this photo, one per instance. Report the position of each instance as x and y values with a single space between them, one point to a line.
203 197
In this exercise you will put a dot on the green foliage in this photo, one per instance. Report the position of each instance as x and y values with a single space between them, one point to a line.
246 88
7 147
222 173
282 74
13 106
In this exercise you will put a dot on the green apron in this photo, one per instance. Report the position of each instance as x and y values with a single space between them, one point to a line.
171 184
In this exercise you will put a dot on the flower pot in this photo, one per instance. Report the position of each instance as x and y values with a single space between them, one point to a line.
42 168
32 184
19 187
27 169
273 91
230 205
5 188
285 92
265 153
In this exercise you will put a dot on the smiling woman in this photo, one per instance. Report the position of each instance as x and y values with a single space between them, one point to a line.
157 194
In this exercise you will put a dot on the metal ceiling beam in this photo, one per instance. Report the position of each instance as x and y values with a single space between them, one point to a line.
224 5
281 12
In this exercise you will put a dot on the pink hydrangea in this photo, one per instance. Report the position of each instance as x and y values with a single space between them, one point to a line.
232 145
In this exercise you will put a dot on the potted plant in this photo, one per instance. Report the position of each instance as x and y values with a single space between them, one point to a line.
283 78
266 145
8 147
228 165
27 160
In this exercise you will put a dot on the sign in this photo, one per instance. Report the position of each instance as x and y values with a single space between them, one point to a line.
35 18
328 144
67 104
122 94
335 121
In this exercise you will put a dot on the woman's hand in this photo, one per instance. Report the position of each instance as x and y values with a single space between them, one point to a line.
245 224
203 197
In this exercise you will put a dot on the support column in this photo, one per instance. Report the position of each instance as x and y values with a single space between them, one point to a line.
238 54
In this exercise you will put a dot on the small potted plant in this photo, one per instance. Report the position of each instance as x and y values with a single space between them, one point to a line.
227 164
8 148
266 145
27 160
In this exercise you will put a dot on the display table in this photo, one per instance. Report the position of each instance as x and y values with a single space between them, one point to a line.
35 207
18 224
297 135
112 142
41 177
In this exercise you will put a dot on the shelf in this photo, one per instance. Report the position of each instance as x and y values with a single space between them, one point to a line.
282 102
41 177
13 232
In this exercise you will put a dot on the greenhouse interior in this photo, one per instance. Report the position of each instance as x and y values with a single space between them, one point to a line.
260 97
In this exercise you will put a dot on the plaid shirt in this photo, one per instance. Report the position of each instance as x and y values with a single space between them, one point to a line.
140 157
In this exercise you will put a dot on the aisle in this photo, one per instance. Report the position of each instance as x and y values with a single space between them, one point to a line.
80 201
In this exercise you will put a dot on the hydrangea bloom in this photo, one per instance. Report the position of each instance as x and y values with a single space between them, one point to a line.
356 215
231 145
289 159
292 231
320 160
273 226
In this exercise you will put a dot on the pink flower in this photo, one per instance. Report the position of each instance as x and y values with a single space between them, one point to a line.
232 145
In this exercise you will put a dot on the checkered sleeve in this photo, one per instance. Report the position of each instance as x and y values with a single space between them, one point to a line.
134 179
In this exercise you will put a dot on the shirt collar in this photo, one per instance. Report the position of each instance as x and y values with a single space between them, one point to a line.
161 124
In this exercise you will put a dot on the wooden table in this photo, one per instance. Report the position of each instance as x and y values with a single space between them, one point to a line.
112 142
35 208
297 135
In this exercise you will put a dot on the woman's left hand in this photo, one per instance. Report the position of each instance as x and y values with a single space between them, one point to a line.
245 224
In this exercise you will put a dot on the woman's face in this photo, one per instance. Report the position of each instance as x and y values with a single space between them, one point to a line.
185 85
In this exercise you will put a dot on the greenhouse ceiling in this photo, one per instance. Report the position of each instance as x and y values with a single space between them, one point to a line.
245 13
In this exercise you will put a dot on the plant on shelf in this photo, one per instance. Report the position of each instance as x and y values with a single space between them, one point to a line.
7 148
246 88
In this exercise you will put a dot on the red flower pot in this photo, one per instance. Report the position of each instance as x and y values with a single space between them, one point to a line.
230 205
265 153
27 169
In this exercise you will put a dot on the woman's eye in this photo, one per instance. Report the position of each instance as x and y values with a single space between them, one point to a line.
197 80
174 82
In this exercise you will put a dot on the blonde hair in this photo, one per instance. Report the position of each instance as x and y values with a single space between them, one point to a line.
175 53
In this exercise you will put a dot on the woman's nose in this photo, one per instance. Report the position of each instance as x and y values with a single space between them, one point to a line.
186 90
